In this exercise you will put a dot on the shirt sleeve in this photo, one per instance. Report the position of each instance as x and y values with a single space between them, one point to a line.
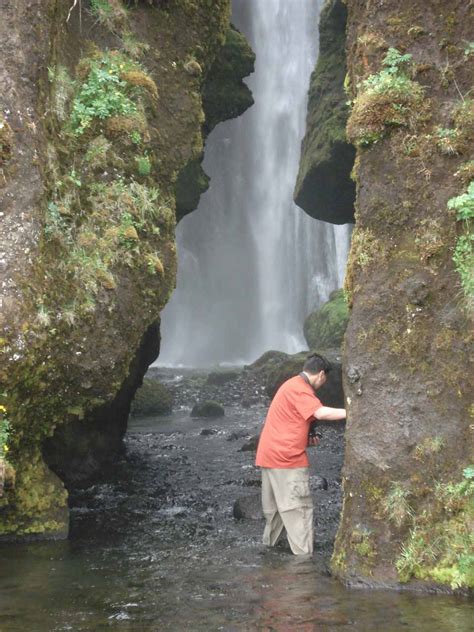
307 404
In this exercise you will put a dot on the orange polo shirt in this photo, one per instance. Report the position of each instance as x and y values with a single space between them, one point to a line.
284 437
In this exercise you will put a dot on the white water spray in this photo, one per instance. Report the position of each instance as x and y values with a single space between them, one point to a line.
252 265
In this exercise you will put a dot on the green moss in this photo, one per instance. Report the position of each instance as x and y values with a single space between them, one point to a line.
366 249
152 398
225 95
440 544
325 327
463 255
58 360
396 505
6 141
385 100
323 188
38 500
362 543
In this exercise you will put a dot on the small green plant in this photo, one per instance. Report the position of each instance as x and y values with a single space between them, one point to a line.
111 13
463 255
415 555
43 317
439 545
103 93
73 178
101 8
386 99
453 495
96 155
447 140
55 226
393 77
134 47
154 264
428 448
128 234
136 137
5 429
143 166
62 89
396 505
468 49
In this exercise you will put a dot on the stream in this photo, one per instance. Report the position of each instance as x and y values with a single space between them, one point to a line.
155 546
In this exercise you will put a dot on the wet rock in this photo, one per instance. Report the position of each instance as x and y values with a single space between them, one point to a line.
417 289
252 482
325 327
209 408
353 374
207 432
318 482
248 508
239 434
218 378
251 444
152 398
331 394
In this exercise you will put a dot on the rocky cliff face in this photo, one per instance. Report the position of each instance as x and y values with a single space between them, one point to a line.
408 487
323 187
102 110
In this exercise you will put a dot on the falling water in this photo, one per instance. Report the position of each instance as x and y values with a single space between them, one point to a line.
252 265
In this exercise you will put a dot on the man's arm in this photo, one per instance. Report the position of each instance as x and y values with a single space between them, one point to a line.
325 413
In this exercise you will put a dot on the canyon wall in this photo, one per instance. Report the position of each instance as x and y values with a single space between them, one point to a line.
408 488
102 110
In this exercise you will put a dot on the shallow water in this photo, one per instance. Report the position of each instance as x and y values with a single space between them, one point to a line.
155 547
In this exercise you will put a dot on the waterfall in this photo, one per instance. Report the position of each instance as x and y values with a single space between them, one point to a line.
252 265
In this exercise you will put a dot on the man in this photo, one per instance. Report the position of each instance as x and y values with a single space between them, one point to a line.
281 453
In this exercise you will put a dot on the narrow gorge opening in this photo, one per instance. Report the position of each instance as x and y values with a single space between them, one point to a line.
252 265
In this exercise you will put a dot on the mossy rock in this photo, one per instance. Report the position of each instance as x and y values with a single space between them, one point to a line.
218 378
209 408
225 95
152 398
324 188
331 394
324 328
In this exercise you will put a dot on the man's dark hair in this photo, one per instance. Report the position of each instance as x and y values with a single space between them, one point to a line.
315 363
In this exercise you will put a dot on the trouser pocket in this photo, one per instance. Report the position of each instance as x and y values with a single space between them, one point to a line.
300 493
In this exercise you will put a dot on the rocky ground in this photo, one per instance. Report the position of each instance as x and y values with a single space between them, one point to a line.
244 391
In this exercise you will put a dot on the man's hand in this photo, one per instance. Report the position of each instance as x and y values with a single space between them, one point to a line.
313 440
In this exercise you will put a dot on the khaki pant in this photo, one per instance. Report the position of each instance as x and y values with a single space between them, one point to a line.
287 502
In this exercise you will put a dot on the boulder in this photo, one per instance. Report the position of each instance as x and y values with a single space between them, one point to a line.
248 508
318 482
209 408
218 378
324 188
207 432
251 445
325 327
331 394
152 398
239 434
